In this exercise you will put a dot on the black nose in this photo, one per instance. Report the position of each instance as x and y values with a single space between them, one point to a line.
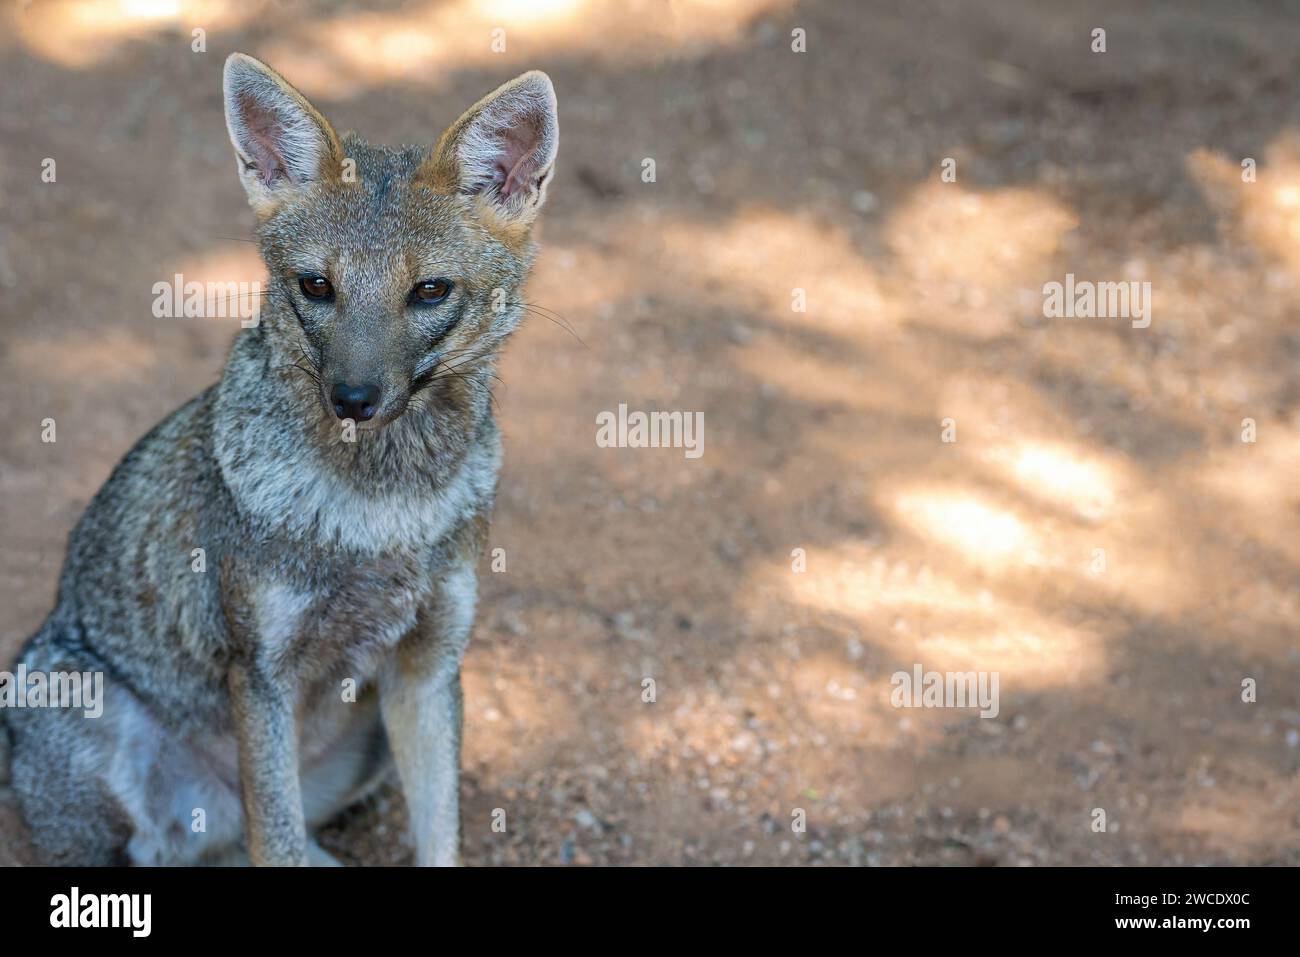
356 402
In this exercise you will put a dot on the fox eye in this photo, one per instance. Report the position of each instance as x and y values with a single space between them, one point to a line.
316 287
431 291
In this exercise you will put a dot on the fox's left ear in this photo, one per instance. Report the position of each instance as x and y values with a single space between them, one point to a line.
502 149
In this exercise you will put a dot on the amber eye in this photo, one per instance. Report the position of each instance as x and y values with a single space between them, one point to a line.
431 291
316 287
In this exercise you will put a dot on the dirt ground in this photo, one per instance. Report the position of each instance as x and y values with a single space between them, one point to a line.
1099 534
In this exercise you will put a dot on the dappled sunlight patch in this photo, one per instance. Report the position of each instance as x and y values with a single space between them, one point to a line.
1037 653
1132 557
1259 205
1255 472
427 43
997 240
1059 474
984 407
82 33
349 52
1257 484
235 263
911 613
826 281
529 12
978 259
984 533
580 296
861 586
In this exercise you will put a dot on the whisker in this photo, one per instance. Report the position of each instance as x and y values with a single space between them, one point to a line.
462 377
547 313
310 360
442 371
444 368
238 297
301 368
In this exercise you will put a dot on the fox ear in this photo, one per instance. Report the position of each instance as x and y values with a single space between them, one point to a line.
502 149
281 142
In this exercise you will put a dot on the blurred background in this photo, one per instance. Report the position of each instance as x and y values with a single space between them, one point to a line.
1120 685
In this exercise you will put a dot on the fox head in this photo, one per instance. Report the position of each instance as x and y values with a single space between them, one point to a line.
395 273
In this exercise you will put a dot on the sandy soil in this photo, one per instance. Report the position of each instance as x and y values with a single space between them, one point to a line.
1120 686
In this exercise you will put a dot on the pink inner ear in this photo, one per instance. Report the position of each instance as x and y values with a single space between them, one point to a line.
516 165
264 132
517 178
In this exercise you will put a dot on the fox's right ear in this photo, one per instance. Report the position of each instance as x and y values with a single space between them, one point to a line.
281 142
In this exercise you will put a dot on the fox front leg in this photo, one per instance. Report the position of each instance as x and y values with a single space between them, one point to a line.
263 707
422 709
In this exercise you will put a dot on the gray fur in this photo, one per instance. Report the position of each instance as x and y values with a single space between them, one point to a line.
326 559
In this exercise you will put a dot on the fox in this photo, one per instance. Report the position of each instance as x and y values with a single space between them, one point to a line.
278 581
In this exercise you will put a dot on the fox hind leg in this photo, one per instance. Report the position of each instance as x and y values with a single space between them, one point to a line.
113 789
72 817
